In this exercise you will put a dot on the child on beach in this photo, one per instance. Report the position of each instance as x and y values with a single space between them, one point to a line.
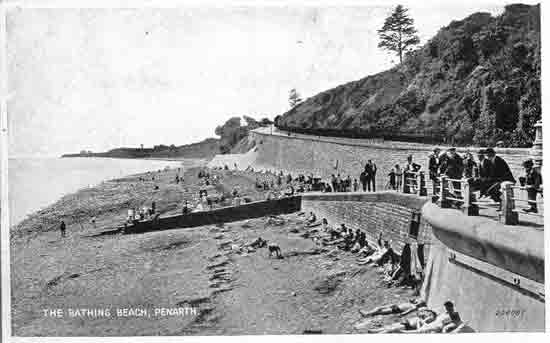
63 228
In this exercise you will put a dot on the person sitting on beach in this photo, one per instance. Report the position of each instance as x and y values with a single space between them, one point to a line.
199 207
237 201
288 178
335 234
289 191
311 219
348 240
366 250
402 309
425 316
185 209
131 216
377 256
444 322
324 225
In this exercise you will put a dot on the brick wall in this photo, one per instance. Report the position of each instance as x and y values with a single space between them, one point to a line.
303 154
388 213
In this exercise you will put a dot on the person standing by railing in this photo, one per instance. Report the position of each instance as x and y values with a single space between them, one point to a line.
363 179
398 177
533 182
433 168
452 168
370 169
470 169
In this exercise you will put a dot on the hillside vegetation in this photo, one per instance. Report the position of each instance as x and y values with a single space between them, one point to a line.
233 139
203 149
476 82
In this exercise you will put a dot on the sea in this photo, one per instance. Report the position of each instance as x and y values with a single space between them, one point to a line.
35 183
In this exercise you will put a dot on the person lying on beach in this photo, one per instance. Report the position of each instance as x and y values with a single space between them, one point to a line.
444 322
402 309
258 243
425 316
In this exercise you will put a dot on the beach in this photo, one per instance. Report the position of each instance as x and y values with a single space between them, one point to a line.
181 281
37 182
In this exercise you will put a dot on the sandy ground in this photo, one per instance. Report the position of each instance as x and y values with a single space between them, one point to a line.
225 291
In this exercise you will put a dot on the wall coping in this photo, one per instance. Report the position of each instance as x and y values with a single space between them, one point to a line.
518 249
406 200
383 145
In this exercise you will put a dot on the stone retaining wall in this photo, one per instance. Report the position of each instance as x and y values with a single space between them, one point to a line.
320 155
493 273
388 213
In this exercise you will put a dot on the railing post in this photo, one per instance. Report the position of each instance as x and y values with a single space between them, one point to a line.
404 182
443 202
469 197
423 191
508 216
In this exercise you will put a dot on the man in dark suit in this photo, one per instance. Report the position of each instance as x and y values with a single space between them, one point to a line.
498 171
433 167
533 183
370 169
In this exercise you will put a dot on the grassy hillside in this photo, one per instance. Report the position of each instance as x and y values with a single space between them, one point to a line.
476 82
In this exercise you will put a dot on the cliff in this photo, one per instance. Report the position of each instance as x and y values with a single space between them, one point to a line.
477 81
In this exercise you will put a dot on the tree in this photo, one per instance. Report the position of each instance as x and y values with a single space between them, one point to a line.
265 122
294 98
398 33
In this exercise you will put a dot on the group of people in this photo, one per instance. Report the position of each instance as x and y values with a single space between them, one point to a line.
143 213
484 175
426 320
405 269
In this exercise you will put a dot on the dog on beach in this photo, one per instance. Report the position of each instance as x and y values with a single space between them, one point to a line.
274 249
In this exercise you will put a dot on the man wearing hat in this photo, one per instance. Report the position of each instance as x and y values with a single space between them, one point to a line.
483 165
433 167
498 171
453 164
533 181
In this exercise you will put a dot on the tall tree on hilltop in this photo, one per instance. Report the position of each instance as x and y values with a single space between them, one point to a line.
398 33
294 98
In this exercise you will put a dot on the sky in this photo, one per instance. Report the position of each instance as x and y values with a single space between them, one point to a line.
100 78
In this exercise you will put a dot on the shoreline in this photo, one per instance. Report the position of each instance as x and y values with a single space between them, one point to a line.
186 163
168 159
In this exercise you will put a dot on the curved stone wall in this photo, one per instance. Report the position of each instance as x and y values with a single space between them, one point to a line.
493 273
386 213
328 155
